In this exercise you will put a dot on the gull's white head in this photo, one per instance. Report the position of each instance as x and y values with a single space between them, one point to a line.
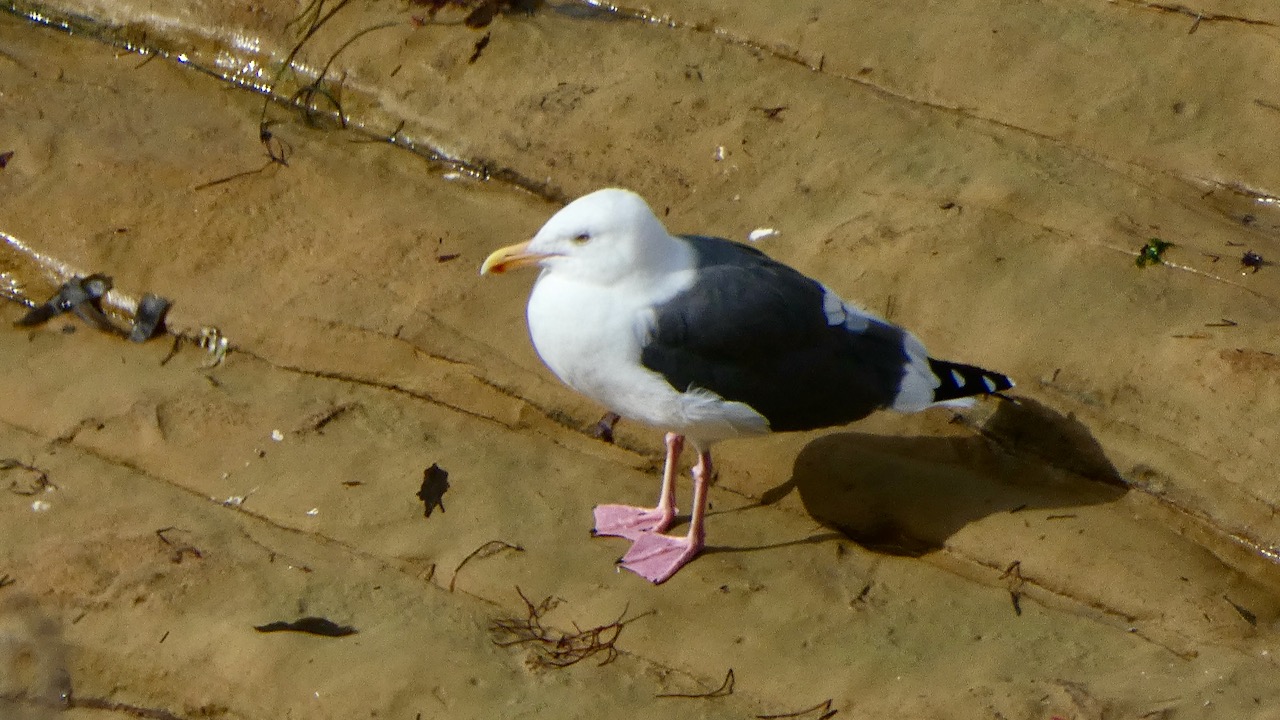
601 237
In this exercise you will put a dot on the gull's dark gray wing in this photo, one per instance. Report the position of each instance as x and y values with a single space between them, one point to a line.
753 330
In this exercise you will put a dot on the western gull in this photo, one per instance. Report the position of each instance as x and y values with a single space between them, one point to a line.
708 339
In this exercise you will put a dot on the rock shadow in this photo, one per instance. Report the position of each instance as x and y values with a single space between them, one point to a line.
907 495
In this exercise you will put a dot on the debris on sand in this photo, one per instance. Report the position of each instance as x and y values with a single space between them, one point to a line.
556 648
1152 253
309 625
435 482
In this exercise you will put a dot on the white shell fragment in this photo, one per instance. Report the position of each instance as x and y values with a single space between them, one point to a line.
277 435
761 233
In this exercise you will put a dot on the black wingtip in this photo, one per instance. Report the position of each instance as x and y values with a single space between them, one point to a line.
957 380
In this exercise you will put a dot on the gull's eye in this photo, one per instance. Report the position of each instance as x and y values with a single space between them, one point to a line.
582 238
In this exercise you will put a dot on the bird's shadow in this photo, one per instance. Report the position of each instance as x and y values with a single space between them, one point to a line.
907 495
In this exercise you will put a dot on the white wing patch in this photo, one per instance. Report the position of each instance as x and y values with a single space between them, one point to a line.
916 391
839 312
832 307
918 381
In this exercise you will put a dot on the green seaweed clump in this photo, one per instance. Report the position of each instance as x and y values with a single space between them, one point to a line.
1152 253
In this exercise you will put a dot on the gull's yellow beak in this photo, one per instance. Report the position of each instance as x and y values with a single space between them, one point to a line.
512 257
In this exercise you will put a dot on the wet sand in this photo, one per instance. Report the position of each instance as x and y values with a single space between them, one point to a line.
984 174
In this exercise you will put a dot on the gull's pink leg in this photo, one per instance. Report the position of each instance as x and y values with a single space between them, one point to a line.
657 557
632 522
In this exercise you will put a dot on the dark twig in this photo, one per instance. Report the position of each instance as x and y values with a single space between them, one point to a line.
173 350
317 21
305 95
277 150
313 9
771 113
317 422
1244 612
1014 574
243 173
488 549
556 648
179 549
725 689
823 707
481 44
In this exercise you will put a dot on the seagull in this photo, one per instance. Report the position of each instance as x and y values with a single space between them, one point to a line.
708 339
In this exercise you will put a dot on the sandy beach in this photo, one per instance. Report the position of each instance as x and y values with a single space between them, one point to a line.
986 174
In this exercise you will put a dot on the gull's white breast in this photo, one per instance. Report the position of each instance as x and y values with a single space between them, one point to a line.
591 337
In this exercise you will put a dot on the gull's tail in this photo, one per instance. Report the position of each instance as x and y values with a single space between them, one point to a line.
960 383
